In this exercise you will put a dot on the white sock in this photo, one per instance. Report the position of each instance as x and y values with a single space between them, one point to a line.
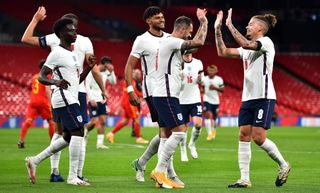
244 158
272 150
55 158
100 138
160 149
183 146
168 150
151 150
213 125
208 125
82 158
195 133
54 147
171 171
74 156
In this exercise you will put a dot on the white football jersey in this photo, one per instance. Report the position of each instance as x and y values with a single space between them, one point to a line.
169 68
93 89
258 67
212 96
190 92
82 46
145 47
64 65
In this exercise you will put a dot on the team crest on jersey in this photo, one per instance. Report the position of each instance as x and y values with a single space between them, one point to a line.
79 118
180 117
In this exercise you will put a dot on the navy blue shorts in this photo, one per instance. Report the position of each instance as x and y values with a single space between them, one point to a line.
210 107
257 113
82 97
152 109
70 117
193 110
169 112
100 109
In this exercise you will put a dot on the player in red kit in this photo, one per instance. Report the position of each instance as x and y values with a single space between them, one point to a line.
130 112
39 105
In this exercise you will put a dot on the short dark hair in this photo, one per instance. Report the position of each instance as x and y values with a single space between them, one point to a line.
182 21
151 11
60 24
41 63
70 16
105 60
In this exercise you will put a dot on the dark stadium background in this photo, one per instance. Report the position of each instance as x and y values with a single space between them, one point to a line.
113 25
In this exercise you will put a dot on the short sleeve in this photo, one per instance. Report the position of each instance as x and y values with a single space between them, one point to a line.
137 48
175 43
240 50
88 48
52 60
50 40
221 84
266 43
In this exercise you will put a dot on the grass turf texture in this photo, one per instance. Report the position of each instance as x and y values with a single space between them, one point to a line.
110 171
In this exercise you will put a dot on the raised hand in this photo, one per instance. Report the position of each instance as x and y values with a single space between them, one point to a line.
201 14
218 22
40 14
229 20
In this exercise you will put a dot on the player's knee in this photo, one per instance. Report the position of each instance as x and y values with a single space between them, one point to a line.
244 136
258 139
78 132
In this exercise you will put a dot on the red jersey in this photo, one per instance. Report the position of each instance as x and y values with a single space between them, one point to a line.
38 91
130 111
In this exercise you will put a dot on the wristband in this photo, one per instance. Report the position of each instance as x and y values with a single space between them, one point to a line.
130 89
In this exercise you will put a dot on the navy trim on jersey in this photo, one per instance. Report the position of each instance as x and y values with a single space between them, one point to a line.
42 41
264 63
145 85
259 45
200 71
167 85
266 87
155 34
61 90
266 75
169 62
145 65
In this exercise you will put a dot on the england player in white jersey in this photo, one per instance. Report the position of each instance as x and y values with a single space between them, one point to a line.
65 67
83 49
258 97
190 101
145 49
213 84
97 107
167 90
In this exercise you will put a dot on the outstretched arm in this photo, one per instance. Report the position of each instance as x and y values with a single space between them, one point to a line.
131 63
240 39
222 50
201 35
28 37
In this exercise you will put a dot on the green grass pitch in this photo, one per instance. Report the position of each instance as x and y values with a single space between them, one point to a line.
110 170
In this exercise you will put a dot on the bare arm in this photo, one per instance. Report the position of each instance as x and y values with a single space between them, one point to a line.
131 63
201 35
91 63
240 39
28 37
43 78
222 50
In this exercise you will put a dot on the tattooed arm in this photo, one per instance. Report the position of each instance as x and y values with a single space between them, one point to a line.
222 50
201 35
240 39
